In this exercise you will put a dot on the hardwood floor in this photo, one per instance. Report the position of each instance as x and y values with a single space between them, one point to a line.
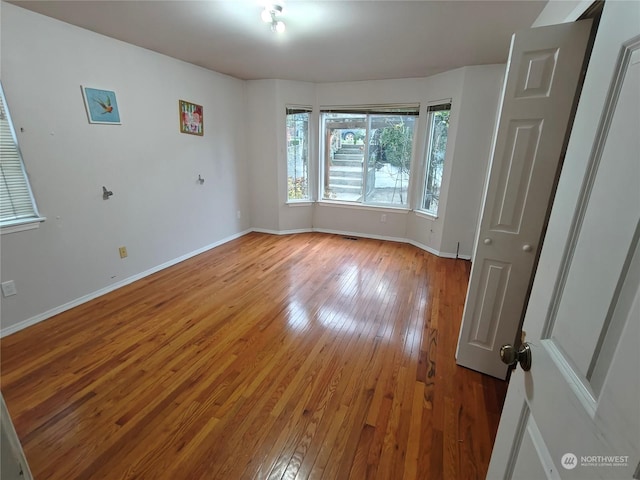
305 356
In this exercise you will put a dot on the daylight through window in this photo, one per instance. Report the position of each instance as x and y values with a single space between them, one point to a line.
367 154
436 149
298 153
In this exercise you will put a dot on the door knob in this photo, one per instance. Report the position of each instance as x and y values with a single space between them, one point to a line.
487 241
511 356
527 248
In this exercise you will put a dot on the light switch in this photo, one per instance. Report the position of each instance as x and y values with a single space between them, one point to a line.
9 288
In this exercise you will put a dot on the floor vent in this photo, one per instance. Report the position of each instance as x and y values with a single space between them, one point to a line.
350 238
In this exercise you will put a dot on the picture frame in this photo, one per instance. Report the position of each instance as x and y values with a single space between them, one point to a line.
101 106
191 118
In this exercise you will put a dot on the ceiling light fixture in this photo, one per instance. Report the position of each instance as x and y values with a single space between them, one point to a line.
270 14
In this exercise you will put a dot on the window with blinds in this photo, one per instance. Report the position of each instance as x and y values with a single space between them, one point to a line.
17 204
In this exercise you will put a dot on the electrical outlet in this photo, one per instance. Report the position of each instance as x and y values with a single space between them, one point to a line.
383 218
9 288
123 252
238 214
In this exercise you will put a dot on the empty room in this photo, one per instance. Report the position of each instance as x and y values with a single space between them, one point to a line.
319 239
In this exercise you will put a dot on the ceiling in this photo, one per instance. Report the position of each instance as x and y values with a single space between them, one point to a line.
325 40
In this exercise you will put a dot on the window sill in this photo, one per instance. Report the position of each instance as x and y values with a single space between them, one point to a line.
299 203
362 206
21 225
427 215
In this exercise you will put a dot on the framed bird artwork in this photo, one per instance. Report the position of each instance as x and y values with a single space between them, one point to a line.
101 106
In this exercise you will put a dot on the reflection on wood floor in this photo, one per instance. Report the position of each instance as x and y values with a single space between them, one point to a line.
302 356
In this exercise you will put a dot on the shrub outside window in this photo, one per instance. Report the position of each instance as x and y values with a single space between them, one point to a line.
298 154
367 154
438 121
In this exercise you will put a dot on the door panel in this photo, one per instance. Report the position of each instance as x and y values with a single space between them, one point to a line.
13 464
515 175
535 76
539 464
542 76
613 204
495 276
582 321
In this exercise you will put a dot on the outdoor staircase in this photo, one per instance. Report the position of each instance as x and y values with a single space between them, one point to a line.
345 172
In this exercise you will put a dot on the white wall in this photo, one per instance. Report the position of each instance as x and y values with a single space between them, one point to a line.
266 102
481 94
293 216
561 11
158 210
263 147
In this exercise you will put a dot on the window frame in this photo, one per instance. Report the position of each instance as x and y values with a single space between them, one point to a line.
292 110
443 105
34 219
412 109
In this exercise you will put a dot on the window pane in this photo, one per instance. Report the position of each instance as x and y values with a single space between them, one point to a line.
436 150
390 150
345 135
298 156
367 156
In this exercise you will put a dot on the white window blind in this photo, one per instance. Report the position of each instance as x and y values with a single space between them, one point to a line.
16 200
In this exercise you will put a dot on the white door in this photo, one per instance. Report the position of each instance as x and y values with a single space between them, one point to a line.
576 413
13 465
543 72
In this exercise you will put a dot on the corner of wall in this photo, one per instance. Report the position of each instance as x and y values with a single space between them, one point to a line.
561 11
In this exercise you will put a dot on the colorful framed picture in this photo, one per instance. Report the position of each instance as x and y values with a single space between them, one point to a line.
101 105
191 118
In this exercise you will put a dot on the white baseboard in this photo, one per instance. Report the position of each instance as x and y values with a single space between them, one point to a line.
426 248
110 288
361 235
419 245
437 252
282 232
